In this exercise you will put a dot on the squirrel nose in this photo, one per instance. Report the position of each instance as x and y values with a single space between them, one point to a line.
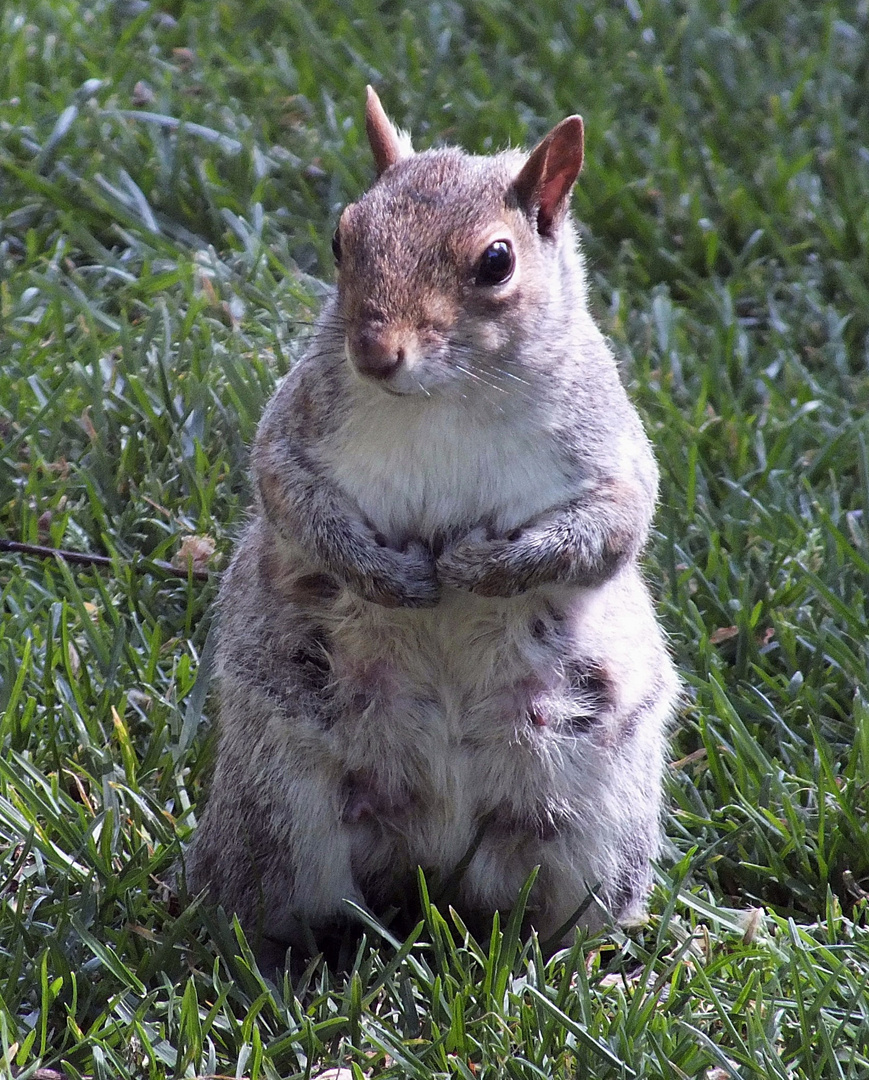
377 353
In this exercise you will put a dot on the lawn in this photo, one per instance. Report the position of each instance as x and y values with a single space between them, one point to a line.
170 176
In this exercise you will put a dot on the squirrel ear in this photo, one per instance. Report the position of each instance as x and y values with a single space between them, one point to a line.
547 177
388 144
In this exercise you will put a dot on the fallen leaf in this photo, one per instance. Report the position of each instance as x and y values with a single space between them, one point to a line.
195 551
142 95
186 58
752 920
88 424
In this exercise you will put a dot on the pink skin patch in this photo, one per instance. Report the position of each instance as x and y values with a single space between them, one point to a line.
367 800
368 796
363 684
529 697
535 716
523 703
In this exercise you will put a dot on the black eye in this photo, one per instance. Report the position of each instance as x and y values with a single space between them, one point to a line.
497 263
336 247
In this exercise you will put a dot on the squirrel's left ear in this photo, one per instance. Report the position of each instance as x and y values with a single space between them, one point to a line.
547 177
388 144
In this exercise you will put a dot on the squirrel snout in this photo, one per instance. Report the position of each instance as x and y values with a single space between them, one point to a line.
378 352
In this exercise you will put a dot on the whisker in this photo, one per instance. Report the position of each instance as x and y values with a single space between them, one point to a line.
494 372
477 377
483 382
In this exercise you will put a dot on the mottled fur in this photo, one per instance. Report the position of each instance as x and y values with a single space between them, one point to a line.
434 630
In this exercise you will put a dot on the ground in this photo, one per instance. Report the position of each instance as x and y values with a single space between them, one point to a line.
170 176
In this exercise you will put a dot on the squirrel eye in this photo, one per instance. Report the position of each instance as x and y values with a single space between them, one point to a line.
336 247
497 264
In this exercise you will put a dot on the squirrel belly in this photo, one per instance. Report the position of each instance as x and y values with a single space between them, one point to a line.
361 741
435 644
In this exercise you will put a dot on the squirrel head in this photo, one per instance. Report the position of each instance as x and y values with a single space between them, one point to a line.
451 261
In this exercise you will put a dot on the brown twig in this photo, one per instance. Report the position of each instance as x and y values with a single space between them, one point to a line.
85 559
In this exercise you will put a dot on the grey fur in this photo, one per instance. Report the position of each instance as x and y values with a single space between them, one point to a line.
434 630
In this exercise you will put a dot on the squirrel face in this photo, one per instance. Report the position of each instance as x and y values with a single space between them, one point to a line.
442 263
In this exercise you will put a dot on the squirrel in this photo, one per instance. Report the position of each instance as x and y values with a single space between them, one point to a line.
436 647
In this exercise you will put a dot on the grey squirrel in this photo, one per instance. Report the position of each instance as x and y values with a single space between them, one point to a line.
434 632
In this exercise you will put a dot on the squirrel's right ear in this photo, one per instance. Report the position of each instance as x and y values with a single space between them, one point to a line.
388 144
547 177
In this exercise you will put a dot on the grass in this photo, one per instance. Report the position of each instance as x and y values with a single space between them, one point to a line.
169 180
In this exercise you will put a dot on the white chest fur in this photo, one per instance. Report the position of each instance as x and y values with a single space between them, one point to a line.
421 467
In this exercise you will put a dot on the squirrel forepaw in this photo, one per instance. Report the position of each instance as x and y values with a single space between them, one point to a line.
400 578
483 566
